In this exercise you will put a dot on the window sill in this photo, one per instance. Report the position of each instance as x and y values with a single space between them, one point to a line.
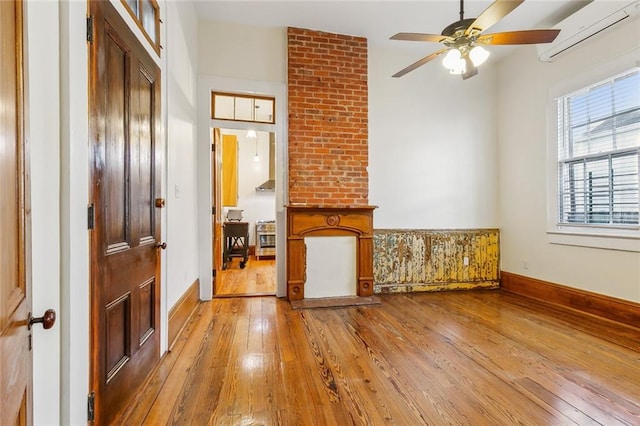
609 239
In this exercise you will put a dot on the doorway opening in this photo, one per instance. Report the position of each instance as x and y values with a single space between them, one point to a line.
244 212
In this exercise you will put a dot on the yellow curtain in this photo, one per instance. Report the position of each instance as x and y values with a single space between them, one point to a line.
229 170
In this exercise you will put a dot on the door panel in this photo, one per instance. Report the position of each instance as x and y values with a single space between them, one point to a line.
117 171
125 166
147 156
117 345
146 311
15 303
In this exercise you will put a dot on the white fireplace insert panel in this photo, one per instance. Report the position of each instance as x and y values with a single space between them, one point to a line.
331 267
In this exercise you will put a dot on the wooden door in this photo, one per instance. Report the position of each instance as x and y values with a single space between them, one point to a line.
216 197
230 170
15 303
124 102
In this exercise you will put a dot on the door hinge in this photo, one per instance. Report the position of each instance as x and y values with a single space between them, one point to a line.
91 412
213 147
91 216
213 210
90 28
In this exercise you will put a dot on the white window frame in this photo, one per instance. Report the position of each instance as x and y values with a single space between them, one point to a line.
585 235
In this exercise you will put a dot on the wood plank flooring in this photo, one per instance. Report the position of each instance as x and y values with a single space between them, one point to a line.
257 278
471 358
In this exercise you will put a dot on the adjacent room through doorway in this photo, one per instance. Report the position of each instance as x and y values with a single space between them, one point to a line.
243 190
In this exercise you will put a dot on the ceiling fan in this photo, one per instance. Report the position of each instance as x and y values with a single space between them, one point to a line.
463 39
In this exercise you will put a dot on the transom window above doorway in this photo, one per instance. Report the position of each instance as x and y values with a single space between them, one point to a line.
147 15
246 108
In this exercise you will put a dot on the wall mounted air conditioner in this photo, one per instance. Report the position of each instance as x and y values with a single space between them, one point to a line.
587 22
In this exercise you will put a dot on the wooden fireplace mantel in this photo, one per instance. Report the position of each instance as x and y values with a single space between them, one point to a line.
305 220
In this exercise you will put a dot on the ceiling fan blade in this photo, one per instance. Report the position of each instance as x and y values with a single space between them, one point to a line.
436 38
420 63
491 15
519 37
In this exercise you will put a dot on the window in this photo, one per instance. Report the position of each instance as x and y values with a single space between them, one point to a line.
147 15
228 106
599 154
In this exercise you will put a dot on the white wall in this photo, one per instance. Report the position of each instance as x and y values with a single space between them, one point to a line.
42 59
182 167
256 205
242 52
524 102
240 59
74 190
432 145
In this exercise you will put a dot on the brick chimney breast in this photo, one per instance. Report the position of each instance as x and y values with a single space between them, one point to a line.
328 125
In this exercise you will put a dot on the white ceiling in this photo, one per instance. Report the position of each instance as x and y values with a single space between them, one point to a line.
378 20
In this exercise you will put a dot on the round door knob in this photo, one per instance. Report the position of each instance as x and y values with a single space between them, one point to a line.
161 246
47 320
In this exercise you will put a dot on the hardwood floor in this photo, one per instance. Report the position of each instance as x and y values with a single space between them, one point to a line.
431 358
257 278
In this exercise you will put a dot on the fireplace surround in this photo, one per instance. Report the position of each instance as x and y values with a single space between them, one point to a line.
314 221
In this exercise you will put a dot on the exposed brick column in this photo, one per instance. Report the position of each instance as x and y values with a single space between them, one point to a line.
328 118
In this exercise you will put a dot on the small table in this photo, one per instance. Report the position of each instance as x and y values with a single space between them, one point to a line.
236 242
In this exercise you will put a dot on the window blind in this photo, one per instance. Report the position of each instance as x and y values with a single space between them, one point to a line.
599 153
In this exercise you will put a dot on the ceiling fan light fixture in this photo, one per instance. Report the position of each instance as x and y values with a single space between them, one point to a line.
459 68
454 62
451 59
478 55
461 55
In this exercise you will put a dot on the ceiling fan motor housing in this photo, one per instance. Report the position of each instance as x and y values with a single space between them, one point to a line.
458 28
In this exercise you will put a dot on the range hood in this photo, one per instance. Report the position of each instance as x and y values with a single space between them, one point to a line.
270 184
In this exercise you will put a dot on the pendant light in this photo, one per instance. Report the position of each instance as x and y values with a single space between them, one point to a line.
251 134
